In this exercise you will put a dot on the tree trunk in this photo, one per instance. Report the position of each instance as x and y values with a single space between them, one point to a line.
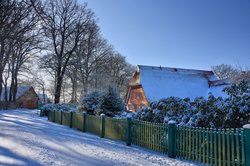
5 92
75 94
64 93
15 87
44 102
74 86
11 92
1 66
1 83
73 91
58 89
85 88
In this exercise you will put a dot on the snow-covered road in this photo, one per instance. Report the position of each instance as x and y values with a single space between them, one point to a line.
27 139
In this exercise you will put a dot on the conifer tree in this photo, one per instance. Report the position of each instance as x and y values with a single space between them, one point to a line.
111 103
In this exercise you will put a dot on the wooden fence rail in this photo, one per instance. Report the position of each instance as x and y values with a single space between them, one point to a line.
202 145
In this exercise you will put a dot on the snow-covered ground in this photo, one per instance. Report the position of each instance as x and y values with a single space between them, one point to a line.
27 139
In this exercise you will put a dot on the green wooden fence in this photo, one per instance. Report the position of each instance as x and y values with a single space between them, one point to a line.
51 116
93 124
149 135
58 116
77 121
211 146
66 118
116 129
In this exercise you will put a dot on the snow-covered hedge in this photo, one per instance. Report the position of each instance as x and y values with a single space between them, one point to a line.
59 107
108 102
90 102
231 112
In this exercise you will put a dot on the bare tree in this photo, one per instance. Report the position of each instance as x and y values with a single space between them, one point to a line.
93 52
17 37
72 74
76 51
23 51
41 85
9 18
118 72
64 22
242 74
224 71
99 65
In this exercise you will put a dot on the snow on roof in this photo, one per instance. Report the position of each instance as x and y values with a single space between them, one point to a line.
20 91
163 82
217 91
217 86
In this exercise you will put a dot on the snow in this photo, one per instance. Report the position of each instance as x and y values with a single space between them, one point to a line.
172 122
161 82
217 91
27 139
247 126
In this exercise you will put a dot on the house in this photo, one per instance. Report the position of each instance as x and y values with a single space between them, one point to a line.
26 97
150 83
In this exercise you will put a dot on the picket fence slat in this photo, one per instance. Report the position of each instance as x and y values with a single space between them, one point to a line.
211 147
242 146
223 147
207 145
215 147
203 145
237 148
228 148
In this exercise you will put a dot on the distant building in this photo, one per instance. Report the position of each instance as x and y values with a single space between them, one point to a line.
151 83
43 98
26 97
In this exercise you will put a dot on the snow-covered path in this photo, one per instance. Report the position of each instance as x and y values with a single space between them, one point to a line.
27 139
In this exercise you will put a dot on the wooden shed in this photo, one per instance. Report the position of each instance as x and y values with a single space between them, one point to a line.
26 97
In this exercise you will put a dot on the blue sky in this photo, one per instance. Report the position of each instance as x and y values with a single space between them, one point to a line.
177 33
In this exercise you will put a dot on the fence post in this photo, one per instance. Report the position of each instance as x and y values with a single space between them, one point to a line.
171 139
128 131
84 115
49 115
54 117
71 119
41 113
247 144
102 127
61 118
